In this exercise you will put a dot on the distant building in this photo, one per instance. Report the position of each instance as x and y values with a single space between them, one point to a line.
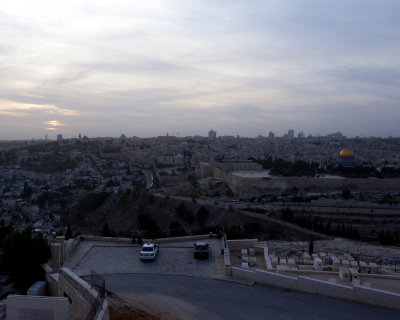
290 134
212 134
347 159
59 137
271 135
336 136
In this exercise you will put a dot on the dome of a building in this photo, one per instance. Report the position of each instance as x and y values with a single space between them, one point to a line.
347 153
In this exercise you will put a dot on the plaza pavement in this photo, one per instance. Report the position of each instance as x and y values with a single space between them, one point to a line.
174 258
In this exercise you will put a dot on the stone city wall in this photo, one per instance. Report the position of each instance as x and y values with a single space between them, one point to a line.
258 186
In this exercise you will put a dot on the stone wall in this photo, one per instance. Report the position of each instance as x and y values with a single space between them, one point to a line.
52 283
37 307
82 298
257 186
352 292
159 240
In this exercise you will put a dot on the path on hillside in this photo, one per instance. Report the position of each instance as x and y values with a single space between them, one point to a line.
265 217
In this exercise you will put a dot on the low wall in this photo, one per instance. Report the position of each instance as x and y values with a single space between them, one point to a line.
37 289
52 283
2 310
103 313
241 244
275 279
377 297
297 273
35 307
82 298
267 259
70 246
159 240
314 286
242 274
324 288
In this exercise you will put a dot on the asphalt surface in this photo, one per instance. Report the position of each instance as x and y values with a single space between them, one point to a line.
180 297
181 287
175 258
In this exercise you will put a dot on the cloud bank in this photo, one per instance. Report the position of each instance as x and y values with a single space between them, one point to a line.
240 67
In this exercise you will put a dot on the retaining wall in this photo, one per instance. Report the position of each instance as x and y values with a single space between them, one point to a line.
82 298
242 273
310 285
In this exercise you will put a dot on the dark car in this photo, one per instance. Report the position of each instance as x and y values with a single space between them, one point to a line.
201 250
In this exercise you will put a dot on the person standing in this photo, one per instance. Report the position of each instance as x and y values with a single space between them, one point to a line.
140 237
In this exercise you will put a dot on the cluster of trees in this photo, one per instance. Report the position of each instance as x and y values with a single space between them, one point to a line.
298 168
149 226
288 168
317 224
354 172
22 255
8 157
387 238
48 164
186 214
93 200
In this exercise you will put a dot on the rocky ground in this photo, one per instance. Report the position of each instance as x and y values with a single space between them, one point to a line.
122 310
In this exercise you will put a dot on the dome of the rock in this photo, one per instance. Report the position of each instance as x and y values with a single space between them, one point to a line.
347 153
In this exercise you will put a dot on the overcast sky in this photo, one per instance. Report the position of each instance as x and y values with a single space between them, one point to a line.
147 68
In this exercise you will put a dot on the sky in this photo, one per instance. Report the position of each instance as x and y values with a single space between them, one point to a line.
148 68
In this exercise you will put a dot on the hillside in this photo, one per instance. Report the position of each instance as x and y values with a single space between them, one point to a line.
160 217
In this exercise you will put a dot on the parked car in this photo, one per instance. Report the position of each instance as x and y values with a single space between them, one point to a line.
200 250
149 251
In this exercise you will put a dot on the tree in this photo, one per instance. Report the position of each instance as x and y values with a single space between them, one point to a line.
68 234
202 216
27 192
105 232
149 225
287 215
346 193
22 256
311 247
176 229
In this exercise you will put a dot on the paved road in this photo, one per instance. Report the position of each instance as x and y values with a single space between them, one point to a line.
194 298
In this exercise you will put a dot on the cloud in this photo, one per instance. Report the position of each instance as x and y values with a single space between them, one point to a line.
21 109
157 66
53 123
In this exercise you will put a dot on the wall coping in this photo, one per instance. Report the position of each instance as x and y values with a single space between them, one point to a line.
394 294
129 240
276 274
81 282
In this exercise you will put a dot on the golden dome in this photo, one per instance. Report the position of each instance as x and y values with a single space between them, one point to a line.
346 153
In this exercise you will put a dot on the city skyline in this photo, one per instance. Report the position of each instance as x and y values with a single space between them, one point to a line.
238 67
